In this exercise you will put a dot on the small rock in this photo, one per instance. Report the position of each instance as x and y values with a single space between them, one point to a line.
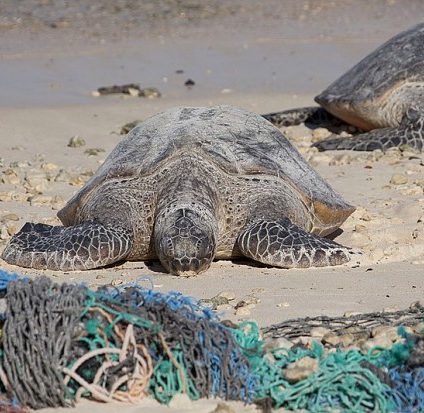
277 343
285 304
39 200
76 141
9 217
5 196
319 134
62 176
19 164
351 313
4 234
242 312
125 89
247 301
338 340
398 179
319 332
57 203
48 166
385 331
224 307
300 369
381 341
129 126
93 151
35 183
189 83
133 92
150 93
229 295
10 177
360 228
117 281
11 229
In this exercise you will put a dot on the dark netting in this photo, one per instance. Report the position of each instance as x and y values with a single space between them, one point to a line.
360 324
186 338
40 320
61 343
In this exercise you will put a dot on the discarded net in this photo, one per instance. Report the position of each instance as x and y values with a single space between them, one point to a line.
64 342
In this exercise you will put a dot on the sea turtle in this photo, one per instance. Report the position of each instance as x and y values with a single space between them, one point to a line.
383 94
189 185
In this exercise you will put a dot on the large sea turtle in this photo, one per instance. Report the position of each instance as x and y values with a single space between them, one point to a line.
189 185
383 94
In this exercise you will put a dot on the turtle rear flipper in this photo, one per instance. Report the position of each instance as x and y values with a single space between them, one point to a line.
410 132
80 247
312 115
283 244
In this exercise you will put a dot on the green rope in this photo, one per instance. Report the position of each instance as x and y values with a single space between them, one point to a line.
339 382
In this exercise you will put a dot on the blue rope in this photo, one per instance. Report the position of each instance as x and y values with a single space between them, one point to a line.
408 389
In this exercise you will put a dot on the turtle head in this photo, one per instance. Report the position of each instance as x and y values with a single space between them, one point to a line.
185 239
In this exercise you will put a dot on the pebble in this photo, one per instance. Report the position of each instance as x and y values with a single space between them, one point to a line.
335 339
19 164
247 301
300 369
351 313
242 311
150 93
343 159
57 203
39 200
10 177
94 151
117 281
35 183
277 343
385 331
62 176
320 158
76 141
48 166
9 217
133 92
380 341
360 228
319 332
11 229
12 196
128 126
224 307
319 134
229 295
284 304
4 235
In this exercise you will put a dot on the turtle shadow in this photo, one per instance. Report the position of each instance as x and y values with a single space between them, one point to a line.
155 266
334 234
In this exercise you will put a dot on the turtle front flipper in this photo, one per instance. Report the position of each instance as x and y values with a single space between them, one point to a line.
313 115
283 244
80 247
409 133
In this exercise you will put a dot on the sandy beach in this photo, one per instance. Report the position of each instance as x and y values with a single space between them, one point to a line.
266 57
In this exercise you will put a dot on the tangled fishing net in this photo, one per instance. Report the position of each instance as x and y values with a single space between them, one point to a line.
63 342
